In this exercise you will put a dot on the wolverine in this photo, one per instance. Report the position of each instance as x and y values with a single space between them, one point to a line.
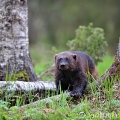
71 71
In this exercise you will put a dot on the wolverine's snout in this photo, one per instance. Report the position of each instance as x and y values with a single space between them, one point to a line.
63 65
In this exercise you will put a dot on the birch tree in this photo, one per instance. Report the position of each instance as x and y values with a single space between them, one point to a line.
15 61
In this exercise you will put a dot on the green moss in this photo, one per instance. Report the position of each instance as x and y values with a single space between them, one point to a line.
21 75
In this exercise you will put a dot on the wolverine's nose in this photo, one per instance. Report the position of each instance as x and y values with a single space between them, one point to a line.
62 65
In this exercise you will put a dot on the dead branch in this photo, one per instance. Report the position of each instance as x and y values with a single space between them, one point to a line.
49 71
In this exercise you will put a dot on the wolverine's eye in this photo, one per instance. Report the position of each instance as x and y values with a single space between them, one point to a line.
59 59
67 59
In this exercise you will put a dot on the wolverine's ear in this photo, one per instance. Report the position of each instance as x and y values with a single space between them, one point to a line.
55 56
74 56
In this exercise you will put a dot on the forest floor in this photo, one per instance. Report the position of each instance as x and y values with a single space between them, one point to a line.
101 103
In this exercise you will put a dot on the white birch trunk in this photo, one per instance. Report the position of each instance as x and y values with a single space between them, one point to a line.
14 43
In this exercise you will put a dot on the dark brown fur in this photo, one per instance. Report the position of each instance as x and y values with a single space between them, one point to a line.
71 71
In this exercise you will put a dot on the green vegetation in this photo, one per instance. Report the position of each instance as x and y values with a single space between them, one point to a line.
100 103
90 40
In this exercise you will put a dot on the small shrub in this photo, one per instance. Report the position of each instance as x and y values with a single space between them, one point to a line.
90 40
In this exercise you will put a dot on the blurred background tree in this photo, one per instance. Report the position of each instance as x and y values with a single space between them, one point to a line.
90 40
53 22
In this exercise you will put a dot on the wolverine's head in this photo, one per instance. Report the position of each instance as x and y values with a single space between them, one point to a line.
65 61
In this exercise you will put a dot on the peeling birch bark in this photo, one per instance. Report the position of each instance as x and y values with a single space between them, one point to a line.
14 43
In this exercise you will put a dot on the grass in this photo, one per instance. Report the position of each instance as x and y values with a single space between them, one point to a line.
97 104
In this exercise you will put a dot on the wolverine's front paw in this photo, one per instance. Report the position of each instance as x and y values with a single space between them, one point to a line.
76 94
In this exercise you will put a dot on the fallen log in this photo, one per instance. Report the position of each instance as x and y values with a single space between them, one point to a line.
11 86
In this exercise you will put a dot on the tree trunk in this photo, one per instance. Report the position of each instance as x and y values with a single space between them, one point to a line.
15 61
114 70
